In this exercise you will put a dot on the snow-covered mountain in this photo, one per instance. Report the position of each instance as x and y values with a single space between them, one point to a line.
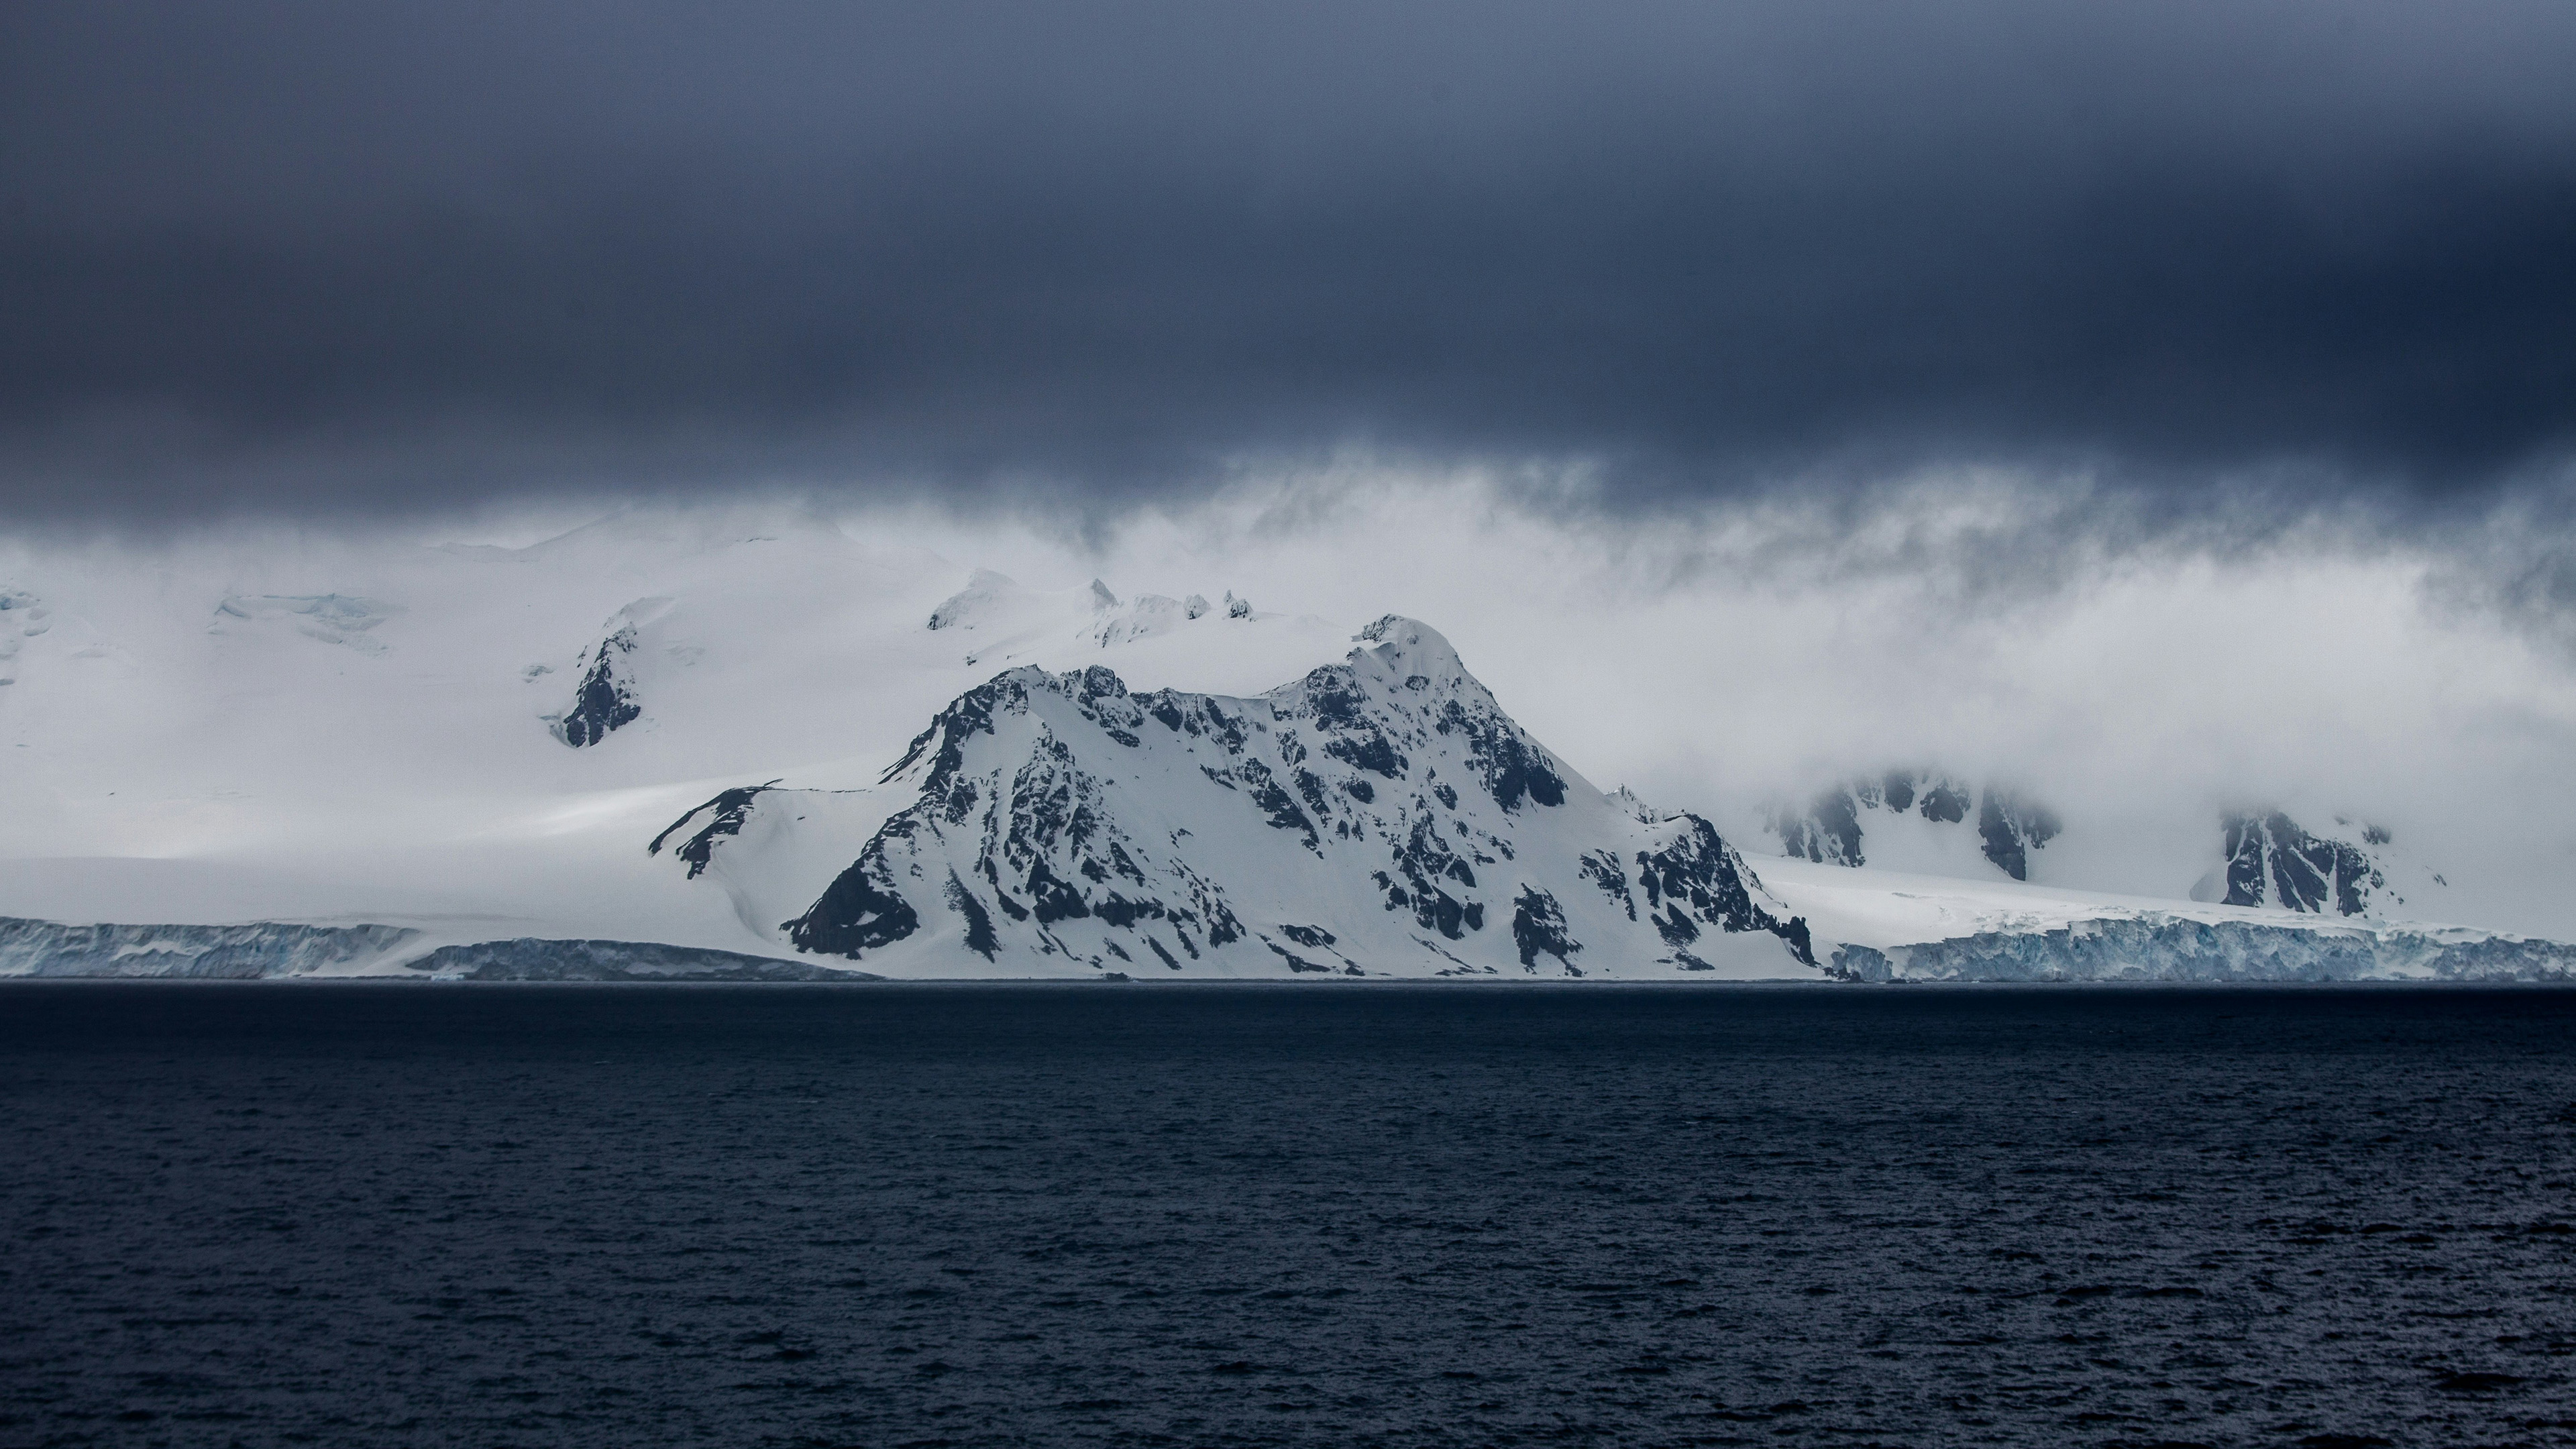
1380 816
337 756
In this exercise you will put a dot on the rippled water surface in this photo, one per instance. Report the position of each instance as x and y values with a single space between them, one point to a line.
883 1215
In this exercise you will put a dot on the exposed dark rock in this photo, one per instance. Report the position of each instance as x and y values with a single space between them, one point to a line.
1704 875
2011 828
860 909
1602 869
967 714
1538 926
1945 801
1829 829
1295 961
1676 928
1369 752
1284 814
1512 768
1898 790
725 816
979 922
2272 861
605 699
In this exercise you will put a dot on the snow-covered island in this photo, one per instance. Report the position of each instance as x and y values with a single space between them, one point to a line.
718 751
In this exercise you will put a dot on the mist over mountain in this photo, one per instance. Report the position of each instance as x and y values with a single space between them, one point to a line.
674 726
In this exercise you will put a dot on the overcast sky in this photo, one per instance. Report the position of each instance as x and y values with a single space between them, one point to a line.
399 257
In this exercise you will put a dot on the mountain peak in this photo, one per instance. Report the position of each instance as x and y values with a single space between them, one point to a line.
1378 816
1404 649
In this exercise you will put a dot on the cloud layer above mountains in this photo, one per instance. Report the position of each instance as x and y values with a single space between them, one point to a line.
282 257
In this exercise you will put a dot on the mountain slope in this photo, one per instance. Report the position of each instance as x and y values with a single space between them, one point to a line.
1380 816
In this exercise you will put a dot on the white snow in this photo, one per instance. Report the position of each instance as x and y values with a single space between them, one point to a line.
341 731
340 619
155 769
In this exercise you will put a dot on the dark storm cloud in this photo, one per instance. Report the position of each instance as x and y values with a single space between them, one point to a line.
389 254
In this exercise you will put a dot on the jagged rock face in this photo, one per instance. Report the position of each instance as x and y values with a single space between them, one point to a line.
606 697
1380 815
722 816
2009 828
2271 861
1833 827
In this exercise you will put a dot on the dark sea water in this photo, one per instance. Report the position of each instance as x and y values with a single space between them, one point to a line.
887 1215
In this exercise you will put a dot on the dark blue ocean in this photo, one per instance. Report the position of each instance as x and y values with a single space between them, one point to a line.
402 1214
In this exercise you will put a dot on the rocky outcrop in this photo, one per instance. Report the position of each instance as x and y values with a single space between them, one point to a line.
2271 861
2009 828
718 818
605 699
606 696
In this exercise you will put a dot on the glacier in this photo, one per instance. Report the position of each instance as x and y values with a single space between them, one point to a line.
251 951
2172 948
278 950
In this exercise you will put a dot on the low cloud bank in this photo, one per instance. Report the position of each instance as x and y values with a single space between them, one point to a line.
2138 674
